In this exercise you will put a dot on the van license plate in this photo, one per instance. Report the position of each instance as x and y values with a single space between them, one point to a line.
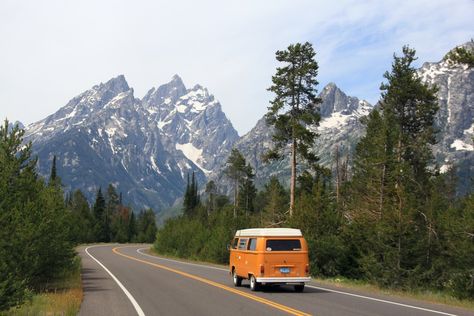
285 270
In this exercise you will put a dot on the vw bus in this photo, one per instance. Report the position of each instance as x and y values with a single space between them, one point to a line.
269 256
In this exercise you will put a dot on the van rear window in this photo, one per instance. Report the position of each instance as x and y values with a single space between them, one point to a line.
283 245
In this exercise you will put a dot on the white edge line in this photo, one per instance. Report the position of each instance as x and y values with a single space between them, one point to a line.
310 286
380 300
130 296
182 262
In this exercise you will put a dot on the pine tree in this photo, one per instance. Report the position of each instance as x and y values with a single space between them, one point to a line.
53 177
391 187
191 198
274 212
211 191
248 191
111 215
236 170
82 218
99 217
461 55
132 227
34 237
294 86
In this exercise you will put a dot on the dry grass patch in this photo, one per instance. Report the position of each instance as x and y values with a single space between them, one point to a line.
62 297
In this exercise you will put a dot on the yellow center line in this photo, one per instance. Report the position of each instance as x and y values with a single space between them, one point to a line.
281 307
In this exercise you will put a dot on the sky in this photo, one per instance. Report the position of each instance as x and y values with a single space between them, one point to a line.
51 51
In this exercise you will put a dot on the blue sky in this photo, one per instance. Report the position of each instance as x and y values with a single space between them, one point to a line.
53 50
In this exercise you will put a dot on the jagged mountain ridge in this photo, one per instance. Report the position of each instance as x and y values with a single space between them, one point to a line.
144 147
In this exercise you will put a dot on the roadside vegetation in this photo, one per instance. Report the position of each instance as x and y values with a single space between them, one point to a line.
40 226
63 296
391 220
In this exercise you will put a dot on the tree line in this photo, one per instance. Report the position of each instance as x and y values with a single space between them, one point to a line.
392 219
40 225
108 219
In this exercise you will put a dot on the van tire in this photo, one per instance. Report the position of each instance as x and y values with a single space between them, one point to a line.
299 288
254 285
236 279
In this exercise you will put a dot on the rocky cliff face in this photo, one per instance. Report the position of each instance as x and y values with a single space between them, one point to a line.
455 118
144 147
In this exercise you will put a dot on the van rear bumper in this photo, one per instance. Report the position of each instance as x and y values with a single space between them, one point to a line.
284 280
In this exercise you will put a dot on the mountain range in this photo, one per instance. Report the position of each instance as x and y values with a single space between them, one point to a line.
148 147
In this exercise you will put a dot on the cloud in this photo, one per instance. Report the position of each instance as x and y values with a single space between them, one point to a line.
54 50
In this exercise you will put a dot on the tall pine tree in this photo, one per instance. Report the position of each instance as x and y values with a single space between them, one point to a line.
294 108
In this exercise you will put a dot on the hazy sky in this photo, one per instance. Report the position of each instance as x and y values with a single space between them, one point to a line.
53 50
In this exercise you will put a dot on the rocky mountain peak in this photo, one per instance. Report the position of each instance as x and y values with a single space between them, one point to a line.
165 94
334 100
116 85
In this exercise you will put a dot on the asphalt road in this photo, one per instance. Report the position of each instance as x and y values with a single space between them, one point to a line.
125 280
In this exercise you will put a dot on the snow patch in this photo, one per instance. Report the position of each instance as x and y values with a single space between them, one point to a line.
458 144
337 119
470 130
192 153
181 108
162 124
444 168
153 165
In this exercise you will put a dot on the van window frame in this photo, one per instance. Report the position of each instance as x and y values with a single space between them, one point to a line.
235 243
283 239
244 246
249 243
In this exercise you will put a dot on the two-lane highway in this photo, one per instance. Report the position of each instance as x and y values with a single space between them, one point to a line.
125 280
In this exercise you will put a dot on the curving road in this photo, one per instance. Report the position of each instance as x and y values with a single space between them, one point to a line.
126 280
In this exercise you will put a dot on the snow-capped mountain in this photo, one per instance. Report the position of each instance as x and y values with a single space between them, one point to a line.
340 127
144 147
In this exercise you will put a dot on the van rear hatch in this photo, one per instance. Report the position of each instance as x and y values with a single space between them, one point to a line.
285 257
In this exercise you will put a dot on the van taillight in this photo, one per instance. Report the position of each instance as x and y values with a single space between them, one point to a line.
306 269
262 269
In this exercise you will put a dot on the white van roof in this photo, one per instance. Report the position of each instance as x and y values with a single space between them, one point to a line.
282 232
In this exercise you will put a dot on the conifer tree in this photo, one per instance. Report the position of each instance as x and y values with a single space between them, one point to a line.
132 227
274 212
294 108
99 217
236 170
82 218
211 191
191 196
247 190
53 176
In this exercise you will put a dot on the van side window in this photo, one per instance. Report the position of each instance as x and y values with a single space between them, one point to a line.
242 243
252 244
235 242
283 245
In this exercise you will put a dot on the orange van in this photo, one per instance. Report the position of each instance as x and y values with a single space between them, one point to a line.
269 256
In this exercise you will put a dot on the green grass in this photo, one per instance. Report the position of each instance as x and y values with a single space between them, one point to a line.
61 297
436 297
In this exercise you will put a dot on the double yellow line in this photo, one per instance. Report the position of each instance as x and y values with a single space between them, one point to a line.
281 307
